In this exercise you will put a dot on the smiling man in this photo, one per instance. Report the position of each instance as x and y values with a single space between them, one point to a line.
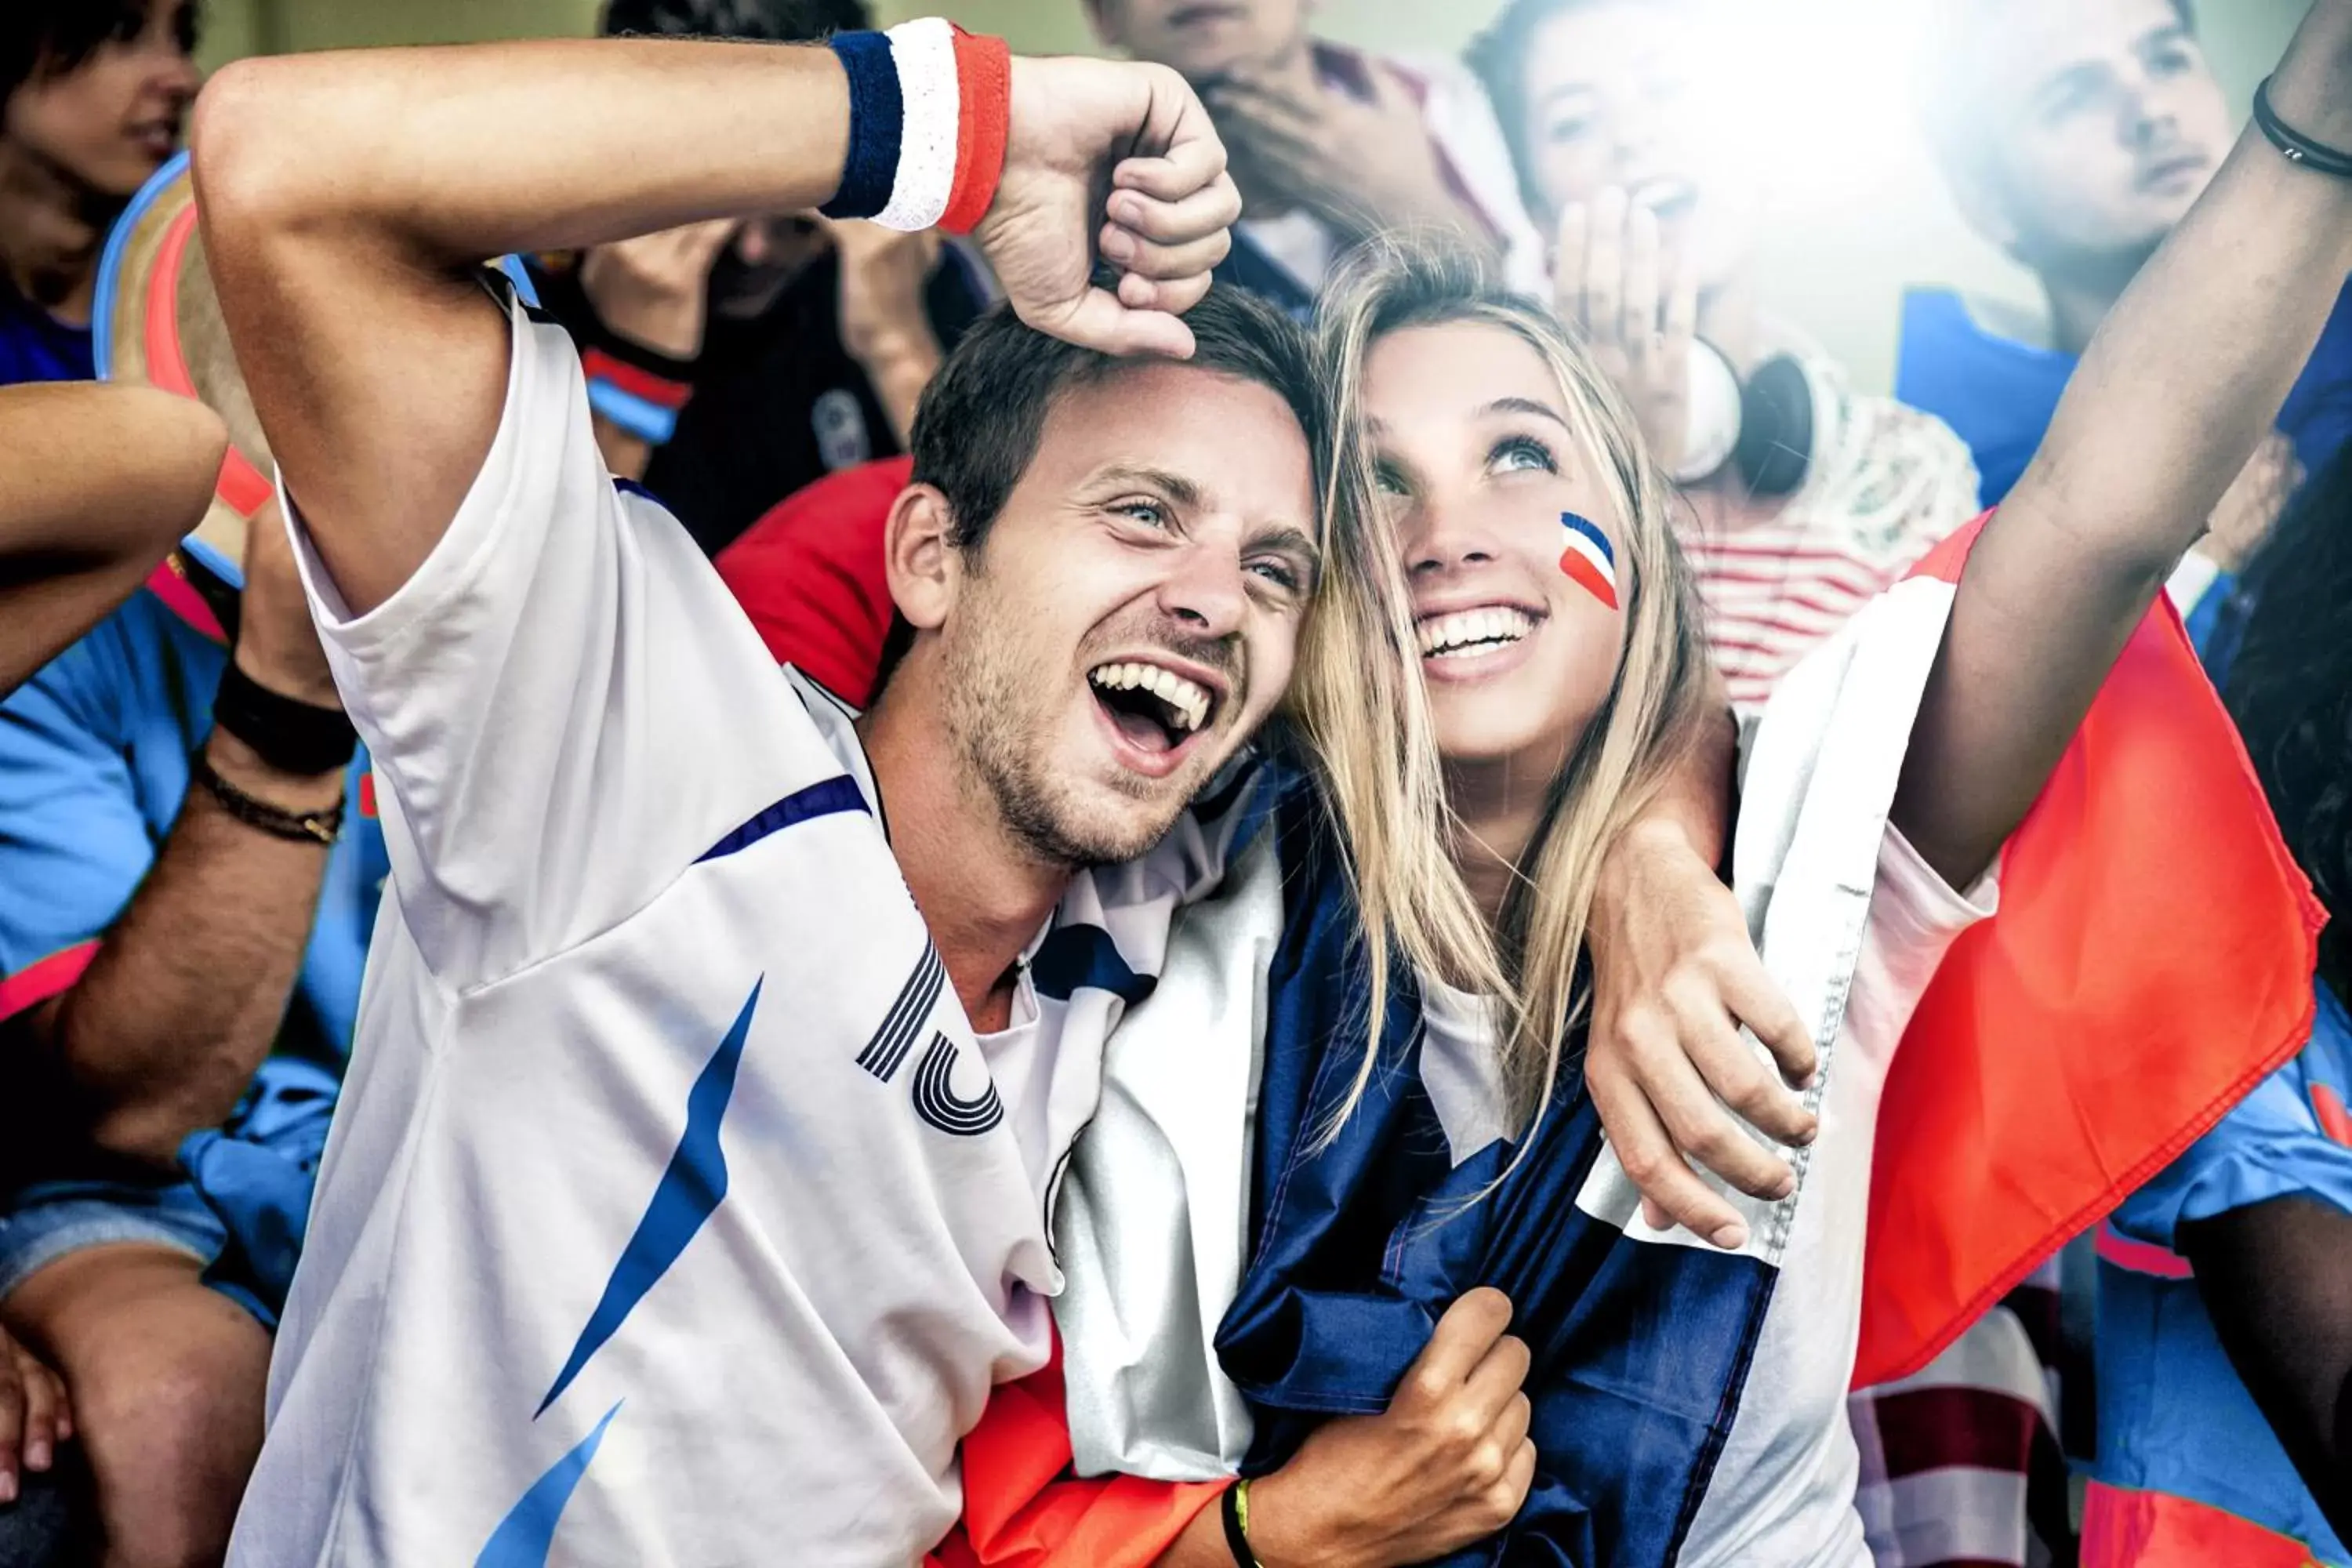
723 1045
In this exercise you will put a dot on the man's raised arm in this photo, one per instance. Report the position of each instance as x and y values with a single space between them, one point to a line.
2185 377
347 197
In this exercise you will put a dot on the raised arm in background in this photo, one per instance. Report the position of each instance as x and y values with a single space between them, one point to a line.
100 483
2183 380
342 256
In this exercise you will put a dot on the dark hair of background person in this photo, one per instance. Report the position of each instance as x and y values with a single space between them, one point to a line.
53 37
751 21
979 420
2288 684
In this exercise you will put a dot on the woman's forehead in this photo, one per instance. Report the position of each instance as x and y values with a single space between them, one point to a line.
1455 369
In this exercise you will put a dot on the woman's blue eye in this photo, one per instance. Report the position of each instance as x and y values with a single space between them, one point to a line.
1389 481
1521 453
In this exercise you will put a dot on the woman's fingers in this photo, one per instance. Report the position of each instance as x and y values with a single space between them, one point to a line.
1567 264
1604 267
1638 1136
1733 1073
1637 322
1705 1131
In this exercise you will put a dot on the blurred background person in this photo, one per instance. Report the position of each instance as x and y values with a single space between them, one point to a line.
1806 497
2074 137
2224 1345
730 364
1329 145
189 866
99 483
93 94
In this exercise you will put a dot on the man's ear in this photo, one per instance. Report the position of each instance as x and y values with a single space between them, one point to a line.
925 567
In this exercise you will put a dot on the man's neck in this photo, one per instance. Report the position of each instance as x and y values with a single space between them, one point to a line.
982 896
2081 296
51 230
1496 816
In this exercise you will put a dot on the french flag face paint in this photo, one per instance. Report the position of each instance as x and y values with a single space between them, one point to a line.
1588 561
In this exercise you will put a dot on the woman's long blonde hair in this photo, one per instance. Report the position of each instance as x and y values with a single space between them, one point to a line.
1360 663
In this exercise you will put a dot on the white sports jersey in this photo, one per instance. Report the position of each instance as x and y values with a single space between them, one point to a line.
672 1214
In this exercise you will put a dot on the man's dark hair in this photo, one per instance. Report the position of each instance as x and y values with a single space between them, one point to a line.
55 37
750 21
978 425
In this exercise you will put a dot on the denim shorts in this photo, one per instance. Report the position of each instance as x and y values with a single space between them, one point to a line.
46 1220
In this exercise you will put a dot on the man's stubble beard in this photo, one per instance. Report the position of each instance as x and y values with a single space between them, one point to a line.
1000 719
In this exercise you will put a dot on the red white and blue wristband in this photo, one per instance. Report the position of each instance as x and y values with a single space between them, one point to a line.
928 110
641 401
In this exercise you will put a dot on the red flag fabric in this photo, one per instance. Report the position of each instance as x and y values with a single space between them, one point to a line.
2150 963
1023 1509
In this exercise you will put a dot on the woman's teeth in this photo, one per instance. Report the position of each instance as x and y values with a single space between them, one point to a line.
1466 631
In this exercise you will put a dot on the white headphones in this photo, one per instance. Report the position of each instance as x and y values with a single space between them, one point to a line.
1766 426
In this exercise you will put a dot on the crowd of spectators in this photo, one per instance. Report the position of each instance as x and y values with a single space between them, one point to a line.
179 984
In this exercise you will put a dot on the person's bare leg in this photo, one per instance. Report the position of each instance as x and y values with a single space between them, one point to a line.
166 1379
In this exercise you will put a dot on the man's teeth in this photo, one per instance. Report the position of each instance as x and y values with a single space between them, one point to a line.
1188 701
1467 631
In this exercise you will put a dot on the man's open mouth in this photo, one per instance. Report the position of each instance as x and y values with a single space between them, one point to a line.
1155 708
1463 633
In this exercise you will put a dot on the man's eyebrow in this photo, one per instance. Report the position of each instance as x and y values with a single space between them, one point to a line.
1175 487
1285 536
1525 406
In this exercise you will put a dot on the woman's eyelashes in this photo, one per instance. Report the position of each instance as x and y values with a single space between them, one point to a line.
1510 455
1521 454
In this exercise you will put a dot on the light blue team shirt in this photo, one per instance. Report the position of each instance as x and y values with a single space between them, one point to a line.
94 762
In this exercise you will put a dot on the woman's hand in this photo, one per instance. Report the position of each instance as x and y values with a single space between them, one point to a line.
1449 1462
1638 309
1674 978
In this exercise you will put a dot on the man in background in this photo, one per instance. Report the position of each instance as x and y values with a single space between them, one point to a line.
2074 137
1330 145
730 364
91 96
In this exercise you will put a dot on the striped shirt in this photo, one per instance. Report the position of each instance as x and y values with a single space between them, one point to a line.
1886 483
1960 1461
